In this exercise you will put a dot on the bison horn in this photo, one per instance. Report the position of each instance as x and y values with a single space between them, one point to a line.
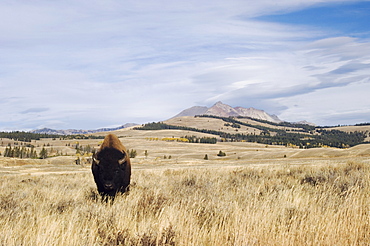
96 161
122 160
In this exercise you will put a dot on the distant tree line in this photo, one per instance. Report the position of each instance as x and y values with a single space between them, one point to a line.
363 124
24 152
336 139
84 150
234 121
195 139
28 136
303 127
163 126
156 126
233 125
80 136
331 138
318 137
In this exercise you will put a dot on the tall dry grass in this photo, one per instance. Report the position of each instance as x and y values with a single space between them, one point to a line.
290 205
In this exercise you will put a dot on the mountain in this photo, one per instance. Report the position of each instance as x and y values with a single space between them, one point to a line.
224 110
76 132
196 110
305 122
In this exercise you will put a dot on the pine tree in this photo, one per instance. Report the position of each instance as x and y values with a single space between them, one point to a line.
221 153
132 153
6 153
146 154
43 153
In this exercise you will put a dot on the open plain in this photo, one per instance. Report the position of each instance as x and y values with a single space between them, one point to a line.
255 195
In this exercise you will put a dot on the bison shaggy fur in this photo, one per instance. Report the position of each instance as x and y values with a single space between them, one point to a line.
111 167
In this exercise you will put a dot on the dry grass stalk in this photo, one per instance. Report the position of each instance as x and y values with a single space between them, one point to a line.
307 205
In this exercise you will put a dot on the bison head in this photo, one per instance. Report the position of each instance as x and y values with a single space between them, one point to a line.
109 170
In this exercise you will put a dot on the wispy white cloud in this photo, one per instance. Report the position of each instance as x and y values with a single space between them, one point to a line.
305 72
98 63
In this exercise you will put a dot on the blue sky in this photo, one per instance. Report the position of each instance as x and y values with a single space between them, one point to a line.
343 18
91 64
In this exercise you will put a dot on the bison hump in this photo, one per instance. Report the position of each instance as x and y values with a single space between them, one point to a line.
111 141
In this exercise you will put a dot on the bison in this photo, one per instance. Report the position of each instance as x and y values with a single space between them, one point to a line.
111 167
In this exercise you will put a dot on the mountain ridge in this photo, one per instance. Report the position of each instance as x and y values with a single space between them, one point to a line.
77 132
224 110
218 109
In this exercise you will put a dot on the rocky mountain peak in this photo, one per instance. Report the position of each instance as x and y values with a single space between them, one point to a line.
224 110
221 109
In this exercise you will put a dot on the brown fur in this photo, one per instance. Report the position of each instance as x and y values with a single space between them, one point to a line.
112 141
111 167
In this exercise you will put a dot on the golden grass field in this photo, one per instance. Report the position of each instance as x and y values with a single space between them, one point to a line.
256 195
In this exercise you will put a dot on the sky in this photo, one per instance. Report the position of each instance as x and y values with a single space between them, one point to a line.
87 64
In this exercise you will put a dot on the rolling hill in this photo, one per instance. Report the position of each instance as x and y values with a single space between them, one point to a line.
237 124
246 129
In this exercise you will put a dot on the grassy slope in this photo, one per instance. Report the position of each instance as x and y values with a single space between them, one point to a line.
253 196
237 152
281 205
